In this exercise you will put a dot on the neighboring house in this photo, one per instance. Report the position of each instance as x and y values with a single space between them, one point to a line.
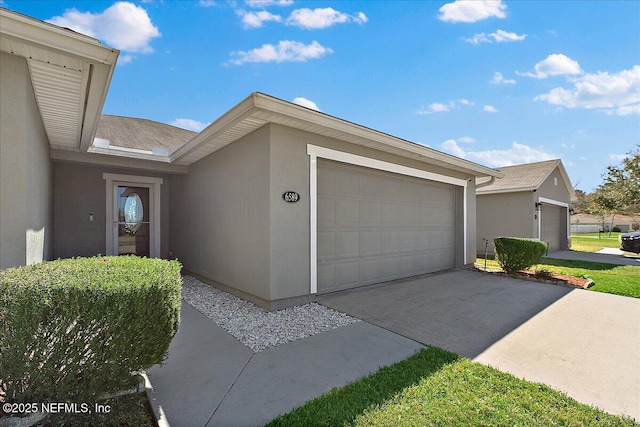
272 201
531 201
585 223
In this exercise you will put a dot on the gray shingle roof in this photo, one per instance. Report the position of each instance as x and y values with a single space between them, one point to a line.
141 134
521 177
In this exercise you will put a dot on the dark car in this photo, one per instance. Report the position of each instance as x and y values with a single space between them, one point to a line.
630 242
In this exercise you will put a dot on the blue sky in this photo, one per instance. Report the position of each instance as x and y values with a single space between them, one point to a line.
495 82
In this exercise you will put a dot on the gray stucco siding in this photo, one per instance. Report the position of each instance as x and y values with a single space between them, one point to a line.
81 191
555 192
26 226
505 214
220 214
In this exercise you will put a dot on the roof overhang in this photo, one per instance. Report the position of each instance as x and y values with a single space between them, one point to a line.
259 109
70 74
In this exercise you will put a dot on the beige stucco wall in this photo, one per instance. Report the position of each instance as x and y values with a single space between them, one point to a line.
505 214
25 170
80 190
220 216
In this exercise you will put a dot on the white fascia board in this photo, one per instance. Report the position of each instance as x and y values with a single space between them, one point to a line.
552 202
42 34
506 190
289 109
231 117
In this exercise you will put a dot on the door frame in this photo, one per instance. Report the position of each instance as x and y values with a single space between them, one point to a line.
114 180
314 152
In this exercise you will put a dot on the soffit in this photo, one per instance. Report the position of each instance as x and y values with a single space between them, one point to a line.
70 74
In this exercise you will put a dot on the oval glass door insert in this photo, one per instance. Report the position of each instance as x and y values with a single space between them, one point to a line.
133 213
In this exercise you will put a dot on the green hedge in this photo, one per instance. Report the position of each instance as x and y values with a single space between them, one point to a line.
518 254
73 329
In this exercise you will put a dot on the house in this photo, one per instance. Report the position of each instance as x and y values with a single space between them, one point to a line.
531 201
273 201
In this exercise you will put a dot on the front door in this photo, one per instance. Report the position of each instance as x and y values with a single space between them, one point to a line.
133 225
133 215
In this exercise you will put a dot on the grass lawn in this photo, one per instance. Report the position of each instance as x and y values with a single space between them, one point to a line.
438 388
612 279
590 242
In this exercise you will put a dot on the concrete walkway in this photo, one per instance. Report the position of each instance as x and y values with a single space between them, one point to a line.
608 256
584 343
211 379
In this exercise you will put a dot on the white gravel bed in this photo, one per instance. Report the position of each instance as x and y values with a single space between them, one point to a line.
256 327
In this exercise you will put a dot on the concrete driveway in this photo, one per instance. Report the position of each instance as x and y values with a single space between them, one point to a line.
584 343
607 256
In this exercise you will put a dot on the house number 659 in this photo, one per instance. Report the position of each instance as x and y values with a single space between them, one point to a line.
290 196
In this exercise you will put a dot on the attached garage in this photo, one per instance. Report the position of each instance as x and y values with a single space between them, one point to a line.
375 226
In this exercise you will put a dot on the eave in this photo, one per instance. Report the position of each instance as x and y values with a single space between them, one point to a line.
259 109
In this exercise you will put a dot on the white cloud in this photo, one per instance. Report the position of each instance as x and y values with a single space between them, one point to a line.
256 19
498 79
436 107
489 109
306 103
124 59
472 11
284 51
466 139
266 3
450 146
466 102
189 124
499 36
617 94
322 18
123 26
207 3
617 158
514 155
554 65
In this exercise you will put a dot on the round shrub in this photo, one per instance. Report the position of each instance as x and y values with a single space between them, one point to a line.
73 329
515 254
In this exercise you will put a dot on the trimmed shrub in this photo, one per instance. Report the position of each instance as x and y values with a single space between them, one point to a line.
515 254
615 229
73 329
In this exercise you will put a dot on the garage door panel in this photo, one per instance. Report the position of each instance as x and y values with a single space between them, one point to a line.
326 244
390 241
380 226
347 213
348 244
389 214
551 228
326 212
370 243
370 213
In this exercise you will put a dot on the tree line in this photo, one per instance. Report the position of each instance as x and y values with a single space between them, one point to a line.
619 192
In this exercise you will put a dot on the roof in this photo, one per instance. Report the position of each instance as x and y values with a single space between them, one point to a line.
70 74
526 177
259 109
131 136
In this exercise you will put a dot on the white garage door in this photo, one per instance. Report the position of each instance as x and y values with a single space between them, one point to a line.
552 229
375 226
